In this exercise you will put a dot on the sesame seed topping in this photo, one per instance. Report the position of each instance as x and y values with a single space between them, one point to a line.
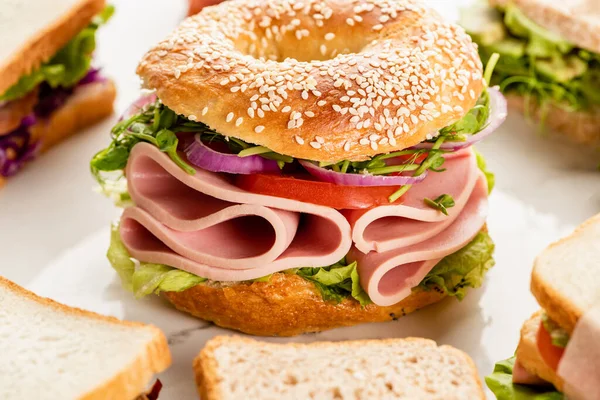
329 36
229 117
204 110
299 140
259 129
239 121
192 117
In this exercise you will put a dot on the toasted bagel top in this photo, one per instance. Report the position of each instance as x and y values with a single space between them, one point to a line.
322 80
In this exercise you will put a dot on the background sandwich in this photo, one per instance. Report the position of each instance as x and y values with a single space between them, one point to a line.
550 60
559 348
234 367
51 351
278 196
48 87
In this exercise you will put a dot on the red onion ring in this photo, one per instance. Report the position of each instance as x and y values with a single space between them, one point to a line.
497 116
206 158
138 105
340 178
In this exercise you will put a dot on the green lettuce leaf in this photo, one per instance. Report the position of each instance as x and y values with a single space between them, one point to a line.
500 383
143 278
337 282
463 269
489 175
68 66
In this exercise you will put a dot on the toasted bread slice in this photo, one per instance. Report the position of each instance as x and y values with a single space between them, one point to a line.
566 276
581 127
51 351
88 105
235 368
32 31
286 305
529 355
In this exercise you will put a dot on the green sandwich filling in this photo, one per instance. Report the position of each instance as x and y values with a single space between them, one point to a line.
68 66
534 62
501 384
559 336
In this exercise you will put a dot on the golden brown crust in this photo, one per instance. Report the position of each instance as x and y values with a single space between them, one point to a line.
88 105
559 307
400 73
130 382
580 127
287 305
48 42
207 378
529 355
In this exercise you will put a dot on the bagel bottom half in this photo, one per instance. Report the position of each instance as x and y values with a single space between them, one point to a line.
88 105
287 305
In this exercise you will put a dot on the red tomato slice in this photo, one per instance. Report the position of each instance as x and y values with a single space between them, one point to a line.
315 192
549 352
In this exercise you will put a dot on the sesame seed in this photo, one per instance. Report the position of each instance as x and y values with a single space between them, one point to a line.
192 118
315 145
321 103
377 27
329 36
229 117
239 121
299 140
259 129
350 21
204 110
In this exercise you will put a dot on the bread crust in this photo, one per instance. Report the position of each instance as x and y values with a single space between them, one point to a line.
88 104
581 127
529 355
576 21
49 40
132 380
372 98
207 378
286 305
558 306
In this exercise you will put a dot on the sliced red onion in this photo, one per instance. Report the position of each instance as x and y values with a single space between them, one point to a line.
498 112
139 104
206 158
340 178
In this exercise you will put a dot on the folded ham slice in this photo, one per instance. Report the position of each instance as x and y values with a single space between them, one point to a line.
389 276
390 227
207 226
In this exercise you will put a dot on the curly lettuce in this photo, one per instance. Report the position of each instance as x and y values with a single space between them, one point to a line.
500 383
68 66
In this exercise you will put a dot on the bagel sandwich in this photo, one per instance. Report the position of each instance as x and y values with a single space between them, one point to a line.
297 167
48 87
550 60
557 356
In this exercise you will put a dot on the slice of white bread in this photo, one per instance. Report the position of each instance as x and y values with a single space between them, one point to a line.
32 31
577 21
529 355
235 368
51 351
566 276
88 104
581 127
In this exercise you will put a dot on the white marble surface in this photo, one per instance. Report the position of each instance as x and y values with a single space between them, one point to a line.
54 228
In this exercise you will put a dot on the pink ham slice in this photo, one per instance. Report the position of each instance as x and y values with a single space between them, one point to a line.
523 377
207 226
389 276
389 227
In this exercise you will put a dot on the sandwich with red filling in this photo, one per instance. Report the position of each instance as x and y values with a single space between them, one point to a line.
48 87
278 196
559 349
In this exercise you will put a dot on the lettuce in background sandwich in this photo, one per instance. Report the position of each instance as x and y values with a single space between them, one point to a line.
549 65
